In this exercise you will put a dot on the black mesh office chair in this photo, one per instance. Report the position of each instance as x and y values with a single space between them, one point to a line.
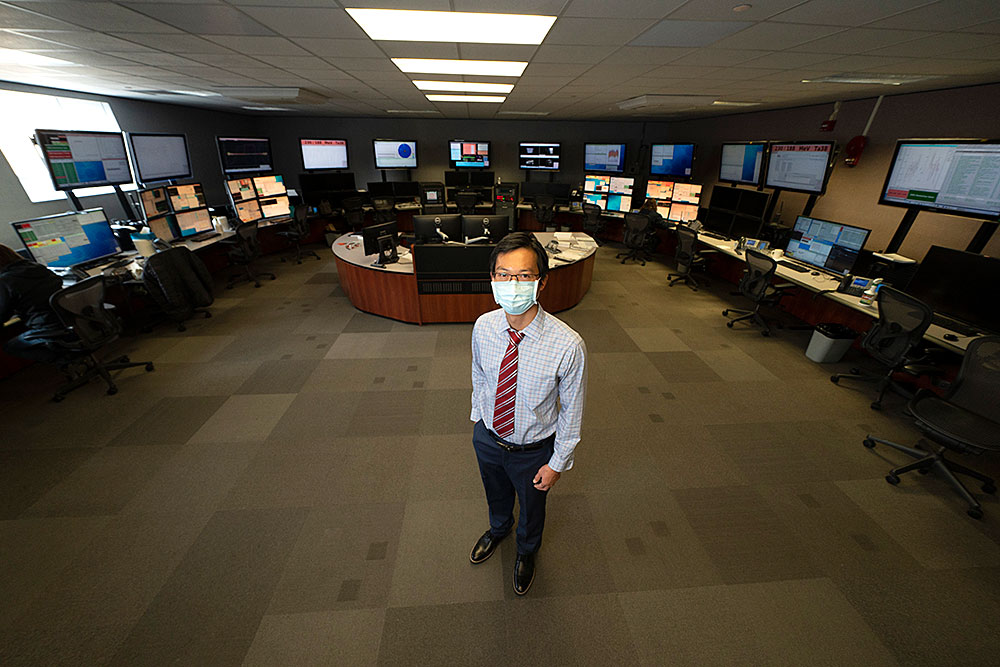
179 283
902 322
593 224
297 230
466 200
965 420
88 326
688 258
245 250
636 229
544 208
385 209
354 213
756 286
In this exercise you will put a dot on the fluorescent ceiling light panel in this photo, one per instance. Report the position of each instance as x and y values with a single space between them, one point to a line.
195 93
444 66
405 25
252 108
464 86
727 103
467 98
522 113
412 111
870 78
14 57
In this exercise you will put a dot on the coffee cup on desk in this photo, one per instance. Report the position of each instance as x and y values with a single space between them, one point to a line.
777 253
144 244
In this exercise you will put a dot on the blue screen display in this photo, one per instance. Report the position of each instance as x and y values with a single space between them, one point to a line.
604 157
68 239
672 159
741 163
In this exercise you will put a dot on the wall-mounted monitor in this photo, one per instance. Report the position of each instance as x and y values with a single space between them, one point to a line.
536 155
827 245
671 160
68 239
84 159
395 154
596 183
958 176
800 167
604 157
323 153
475 154
743 163
159 157
960 285
660 190
245 155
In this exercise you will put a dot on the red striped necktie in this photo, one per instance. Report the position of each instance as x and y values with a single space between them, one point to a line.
503 410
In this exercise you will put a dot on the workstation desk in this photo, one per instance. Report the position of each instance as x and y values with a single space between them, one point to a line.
392 291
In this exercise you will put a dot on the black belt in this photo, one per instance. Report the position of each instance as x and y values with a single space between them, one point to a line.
514 447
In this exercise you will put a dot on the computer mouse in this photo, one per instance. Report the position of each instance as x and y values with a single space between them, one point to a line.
814 273
951 337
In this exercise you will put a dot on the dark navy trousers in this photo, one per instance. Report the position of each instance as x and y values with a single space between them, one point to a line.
507 475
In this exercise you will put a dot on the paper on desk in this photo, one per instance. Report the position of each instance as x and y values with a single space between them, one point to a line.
571 254
564 236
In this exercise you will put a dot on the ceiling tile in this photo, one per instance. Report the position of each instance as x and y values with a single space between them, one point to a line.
596 31
858 40
431 5
225 60
857 63
154 58
295 63
13 17
281 3
718 57
947 42
257 45
352 48
98 16
616 73
175 43
87 40
716 10
555 69
787 60
990 27
205 19
844 12
983 53
672 72
687 33
416 49
948 15
83 57
639 9
364 64
655 55
774 36
497 51
940 66
556 53
307 21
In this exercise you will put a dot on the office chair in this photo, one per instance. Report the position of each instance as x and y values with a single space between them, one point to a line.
636 227
688 258
245 250
544 207
179 283
965 420
756 285
592 222
297 230
354 213
466 200
88 326
902 322
385 209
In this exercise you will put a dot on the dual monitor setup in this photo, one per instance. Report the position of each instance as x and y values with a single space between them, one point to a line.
677 202
381 239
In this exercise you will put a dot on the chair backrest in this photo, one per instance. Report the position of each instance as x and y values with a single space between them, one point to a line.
354 211
902 322
300 221
466 202
178 281
80 308
591 215
977 386
247 244
686 240
760 269
636 226
385 209
544 207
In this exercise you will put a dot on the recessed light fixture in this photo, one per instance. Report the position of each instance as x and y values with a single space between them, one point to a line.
467 98
742 8
728 103
406 25
412 111
253 108
15 57
522 113
465 86
195 93
445 66
871 78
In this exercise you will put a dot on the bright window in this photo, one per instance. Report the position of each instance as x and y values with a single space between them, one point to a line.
26 112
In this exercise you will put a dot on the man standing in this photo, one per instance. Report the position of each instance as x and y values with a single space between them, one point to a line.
528 387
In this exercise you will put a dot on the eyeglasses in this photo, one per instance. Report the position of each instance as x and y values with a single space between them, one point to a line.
503 276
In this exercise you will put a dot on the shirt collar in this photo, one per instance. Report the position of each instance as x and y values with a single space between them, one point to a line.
533 331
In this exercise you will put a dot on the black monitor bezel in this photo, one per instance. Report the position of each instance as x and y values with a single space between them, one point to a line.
524 143
107 221
826 174
675 177
416 153
972 277
832 222
493 218
437 239
370 239
763 162
489 155
313 170
624 146
102 184
137 172
222 163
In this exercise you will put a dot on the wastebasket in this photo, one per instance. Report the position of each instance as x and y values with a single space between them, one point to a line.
830 342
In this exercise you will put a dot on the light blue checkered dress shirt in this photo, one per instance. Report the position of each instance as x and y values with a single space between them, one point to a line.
551 381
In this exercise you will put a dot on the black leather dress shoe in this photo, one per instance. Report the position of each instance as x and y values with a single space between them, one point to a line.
485 547
524 573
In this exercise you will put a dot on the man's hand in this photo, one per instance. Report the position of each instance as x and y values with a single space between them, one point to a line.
545 478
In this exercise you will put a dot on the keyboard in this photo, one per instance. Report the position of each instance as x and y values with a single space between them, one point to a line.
961 328
203 236
792 266
712 235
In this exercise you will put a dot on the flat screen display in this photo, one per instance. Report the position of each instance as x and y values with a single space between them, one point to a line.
660 190
395 154
671 160
596 199
474 154
154 202
193 222
160 157
183 197
596 183
682 212
241 189
742 163
68 239
248 211
687 193
244 155
323 153
604 157
274 207
621 185
269 186
959 176
538 156
959 284
621 203
801 167
826 245
84 159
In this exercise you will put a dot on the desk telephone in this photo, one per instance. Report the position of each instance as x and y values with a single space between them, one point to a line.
852 285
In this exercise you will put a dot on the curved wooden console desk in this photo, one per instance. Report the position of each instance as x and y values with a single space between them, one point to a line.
392 291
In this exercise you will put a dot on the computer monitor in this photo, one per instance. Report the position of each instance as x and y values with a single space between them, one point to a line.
596 199
391 154
682 212
184 197
84 159
248 211
193 222
269 186
160 157
163 228
596 183
753 203
687 193
743 162
325 185
724 198
463 153
745 227
68 239
370 236
960 285
800 167
425 228
535 155
827 245
432 194
620 203
379 189
275 207
484 228
660 190
530 188
604 157
456 179
406 189
671 160
482 179
718 221
957 176
154 202
621 185
241 189
244 155
323 153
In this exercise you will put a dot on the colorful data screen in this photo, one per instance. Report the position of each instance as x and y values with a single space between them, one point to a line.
660 189
622 186
154 202
324 153
84 159
269 186
597 200
671 159
596 183
825 244
274 207
538 156
248 211
801 167
469 153
604 157
682 212
194 222
395 154
68 239
241 189
245 154
687 193
184 197
621 203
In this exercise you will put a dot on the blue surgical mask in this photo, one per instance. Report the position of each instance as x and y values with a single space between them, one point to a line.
515 296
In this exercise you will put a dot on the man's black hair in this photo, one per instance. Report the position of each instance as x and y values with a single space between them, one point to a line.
517 240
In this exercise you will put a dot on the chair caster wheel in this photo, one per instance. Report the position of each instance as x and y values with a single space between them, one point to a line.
975 512
111 391
892 479
729 324
869 443
725 313
989 488
876 406
149 367
834 379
